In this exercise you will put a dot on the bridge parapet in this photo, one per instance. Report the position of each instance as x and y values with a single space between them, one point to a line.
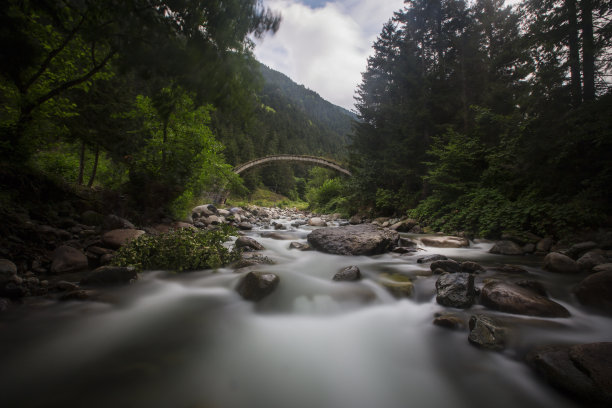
292 158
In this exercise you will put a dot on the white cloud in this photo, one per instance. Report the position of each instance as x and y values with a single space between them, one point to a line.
326 48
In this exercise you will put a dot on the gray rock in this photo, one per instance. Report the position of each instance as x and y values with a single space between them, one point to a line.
112 222
350 273
511 298
363 239
251 259
300 246
584 371
212 220
591 259
255 286
471 267
455 290
7 270
110 275
117 238
317 222
406 242
486 332
68 259
596 291
278 235
607 267
65 286
506 248
431 258
544 244
529 248
245 226
249 243
532 285
559 263
450 321
356 219
445 242
447 265
404 225
577 250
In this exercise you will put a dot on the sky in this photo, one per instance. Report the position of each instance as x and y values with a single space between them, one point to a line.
324 44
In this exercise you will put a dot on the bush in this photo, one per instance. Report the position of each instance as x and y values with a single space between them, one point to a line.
179 250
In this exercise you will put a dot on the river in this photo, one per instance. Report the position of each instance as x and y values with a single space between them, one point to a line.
190 341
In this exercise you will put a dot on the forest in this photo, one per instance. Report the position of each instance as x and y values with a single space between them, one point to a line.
471 116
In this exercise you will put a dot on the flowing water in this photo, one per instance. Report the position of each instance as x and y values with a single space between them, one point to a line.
190 340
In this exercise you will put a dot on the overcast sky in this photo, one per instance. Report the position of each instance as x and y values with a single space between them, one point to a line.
324 44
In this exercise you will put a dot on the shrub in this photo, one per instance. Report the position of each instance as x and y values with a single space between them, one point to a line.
179 250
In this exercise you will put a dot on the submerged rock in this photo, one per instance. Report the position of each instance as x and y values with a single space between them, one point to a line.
431 258
362 239
584 371
506 248
255 286
299 246
447 265
510 298
450 321
110 275
445 242
596 291
398 285
455 290
350 273
486 332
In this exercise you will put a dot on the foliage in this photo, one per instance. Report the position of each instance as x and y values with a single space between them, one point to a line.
266 198
179 250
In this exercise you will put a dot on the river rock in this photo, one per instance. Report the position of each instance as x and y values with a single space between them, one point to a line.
251 259
585 370
404 225
431 258
398 285
556 262
112 222
74 295
356 219
486 332
591 259
212 220
249 244
455 290
7 270
577 250
607 267
278 235
506 248
511 298
362 239
471 267
299 246
68 259
450 321
245 226
447 265
90 217
350 273
544 244
255 286
110 275
317 222
596 291
445 242
117 238
204 210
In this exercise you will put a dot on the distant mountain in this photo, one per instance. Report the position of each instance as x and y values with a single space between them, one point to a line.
289 119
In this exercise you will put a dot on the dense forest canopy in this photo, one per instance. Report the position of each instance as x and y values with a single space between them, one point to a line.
481 117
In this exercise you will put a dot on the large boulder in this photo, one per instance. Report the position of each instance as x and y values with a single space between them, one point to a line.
577 250
455 290
68 259
585 370
362 239
255 286
506 248
117 238
557 262
510 298
596 291
249 244
486 332
110 275
445 242
350 273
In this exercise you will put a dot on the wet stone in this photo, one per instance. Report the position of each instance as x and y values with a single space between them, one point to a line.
486 332
350 273
255 286
455 290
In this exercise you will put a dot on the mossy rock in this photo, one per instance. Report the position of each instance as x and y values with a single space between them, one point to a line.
398 285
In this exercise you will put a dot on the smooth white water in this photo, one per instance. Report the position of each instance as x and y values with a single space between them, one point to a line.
190 340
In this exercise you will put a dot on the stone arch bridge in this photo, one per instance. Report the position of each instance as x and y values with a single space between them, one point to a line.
292 158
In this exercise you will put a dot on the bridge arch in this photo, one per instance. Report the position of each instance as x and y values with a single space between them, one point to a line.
292 158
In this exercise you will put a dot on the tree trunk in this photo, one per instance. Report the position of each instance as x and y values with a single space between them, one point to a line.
574 53
588 49
95 168
81 164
